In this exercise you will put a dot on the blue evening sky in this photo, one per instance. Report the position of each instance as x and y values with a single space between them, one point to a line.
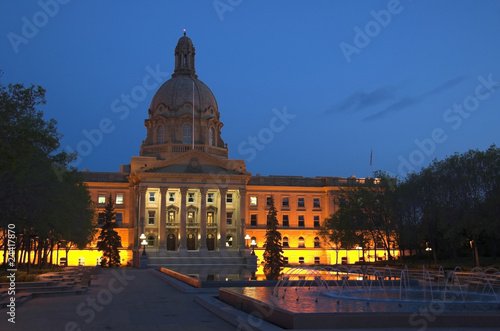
304 88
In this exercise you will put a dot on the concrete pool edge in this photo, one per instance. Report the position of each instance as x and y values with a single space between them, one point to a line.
290 320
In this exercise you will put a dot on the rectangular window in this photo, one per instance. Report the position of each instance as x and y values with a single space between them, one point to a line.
268 202
191 197
316 203
316 221
229 198
152 197
316 260
190 217
119 199
253 220
151 217
210 218
285 260
285 221
253 201
171 216
284 203
119 219
229 219
301 260
210 197
101 198
300 203
100 219
171 197
301 221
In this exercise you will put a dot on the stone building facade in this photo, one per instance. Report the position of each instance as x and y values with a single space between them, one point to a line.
193 203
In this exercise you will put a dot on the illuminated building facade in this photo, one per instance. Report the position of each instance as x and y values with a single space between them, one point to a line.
193 203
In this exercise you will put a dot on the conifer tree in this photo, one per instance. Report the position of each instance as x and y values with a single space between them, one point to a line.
109 240
273 254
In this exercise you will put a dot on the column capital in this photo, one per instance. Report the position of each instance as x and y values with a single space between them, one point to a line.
142 189
203 191
242 191
163 189
184 190
223 190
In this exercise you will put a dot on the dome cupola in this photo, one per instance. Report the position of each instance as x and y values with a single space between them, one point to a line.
183 113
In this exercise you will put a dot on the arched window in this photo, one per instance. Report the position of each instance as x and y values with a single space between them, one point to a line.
211 137
285 242
253 242
187 134
301 242
316 242
159 134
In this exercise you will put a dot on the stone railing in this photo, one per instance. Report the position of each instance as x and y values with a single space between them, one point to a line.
182 148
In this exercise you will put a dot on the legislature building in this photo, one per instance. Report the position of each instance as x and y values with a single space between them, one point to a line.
193 204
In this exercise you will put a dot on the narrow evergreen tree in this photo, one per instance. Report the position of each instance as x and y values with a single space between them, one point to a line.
109 240
273 254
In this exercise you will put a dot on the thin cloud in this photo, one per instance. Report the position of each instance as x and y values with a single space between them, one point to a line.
409 101
360 100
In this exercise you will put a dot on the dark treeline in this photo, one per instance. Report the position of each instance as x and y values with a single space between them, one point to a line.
42 199
449 209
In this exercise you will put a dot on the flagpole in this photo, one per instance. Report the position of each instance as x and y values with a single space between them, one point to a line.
192 132
371 160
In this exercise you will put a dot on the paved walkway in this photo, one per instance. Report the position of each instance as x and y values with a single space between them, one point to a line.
121 299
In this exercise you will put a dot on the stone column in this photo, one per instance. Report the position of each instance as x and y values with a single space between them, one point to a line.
183 242
222 218
243 211
203 221
163 220
142 209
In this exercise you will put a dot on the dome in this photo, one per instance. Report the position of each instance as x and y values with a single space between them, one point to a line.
177 91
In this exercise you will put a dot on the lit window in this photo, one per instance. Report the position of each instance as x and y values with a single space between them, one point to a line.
284 202
119 199
229 198
317 243
316 221
101 198
301 260
253 220
152 197
190 216
253 240
301 203
151 217
171 216
285 242
316 203
210 197
191 197
186 134
229 219
301 221
119 219
171 197
151 240
285 221
301 242
210 217
253 201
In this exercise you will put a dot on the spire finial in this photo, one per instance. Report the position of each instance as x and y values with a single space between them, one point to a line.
184 31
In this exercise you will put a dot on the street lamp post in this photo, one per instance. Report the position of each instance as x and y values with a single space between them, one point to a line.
429 250
247 238
253 244
143 243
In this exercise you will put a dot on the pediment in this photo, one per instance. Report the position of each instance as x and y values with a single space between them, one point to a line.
196 162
